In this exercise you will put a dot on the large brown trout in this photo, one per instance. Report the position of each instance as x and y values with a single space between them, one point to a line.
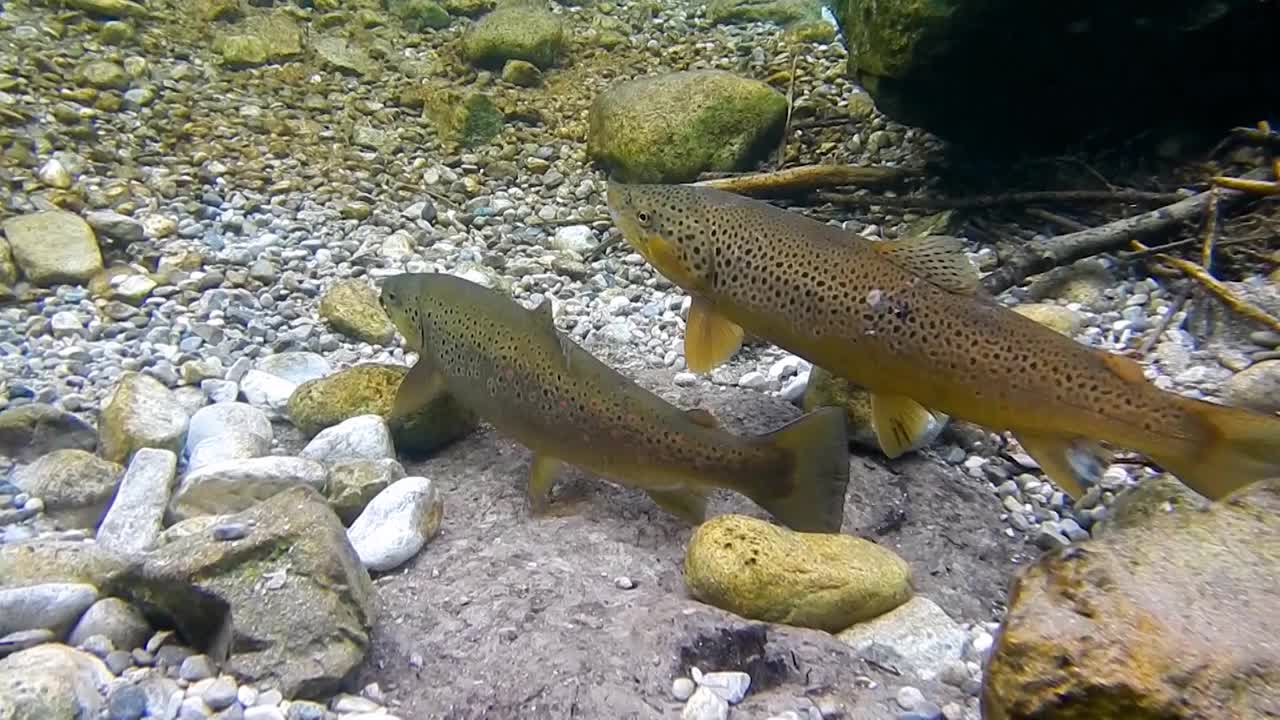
513 368
907 320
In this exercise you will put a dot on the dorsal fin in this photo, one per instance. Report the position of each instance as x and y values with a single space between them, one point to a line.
702 417
940 259
1127 368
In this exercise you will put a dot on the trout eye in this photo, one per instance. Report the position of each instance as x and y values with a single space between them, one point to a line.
643 217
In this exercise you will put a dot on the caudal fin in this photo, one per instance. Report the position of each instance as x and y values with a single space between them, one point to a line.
1239 447
819 446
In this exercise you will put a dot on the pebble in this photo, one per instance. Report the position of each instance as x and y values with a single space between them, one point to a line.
622 582
909 697
682 688
730 686
126 702
705 705
220 694
396 523
196 668
264 712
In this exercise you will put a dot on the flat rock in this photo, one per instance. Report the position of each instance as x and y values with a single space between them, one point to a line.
227 431
113 225
397 523
58 561
363 437
1057 317
302 602
30 431
351 307
114 619
267 391
236 485
140 412
1171 611
1256 387
54 247
371 389
296 367
528 32
135 518
52 606
764 571
76 486
917 637
52 682
353 483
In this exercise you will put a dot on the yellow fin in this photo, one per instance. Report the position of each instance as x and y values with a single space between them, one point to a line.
1073 464
1127 368
419 388
702 417
940 259
688 505
542 475
900 423
709 338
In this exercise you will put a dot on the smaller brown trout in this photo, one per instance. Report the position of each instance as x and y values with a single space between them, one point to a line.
511 367
907 320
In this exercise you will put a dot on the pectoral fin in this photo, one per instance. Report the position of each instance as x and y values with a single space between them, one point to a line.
419 388
542 476
901 424
1073 464
703 417
709 338
689 505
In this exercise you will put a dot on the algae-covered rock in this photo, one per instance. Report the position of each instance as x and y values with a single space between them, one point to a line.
211 10
239 51
466 118
671 127
825 389
468 8
353 483
1171 613
8 269
53 247
521 72
519 32
76 486
1057 317
810 31
419 15
351 308
371 389
289 600
260 39
342 56
781 12
71 561
140 412
766 572
105 75
35 429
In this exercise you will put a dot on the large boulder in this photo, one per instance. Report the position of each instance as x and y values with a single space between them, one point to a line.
515 32
288 602
1044 73
1171 612
669 128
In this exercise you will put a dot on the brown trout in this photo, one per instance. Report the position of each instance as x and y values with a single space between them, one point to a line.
908 321
513 368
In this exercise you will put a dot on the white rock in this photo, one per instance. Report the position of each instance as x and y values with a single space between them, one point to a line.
909 698
575 238
53 606
227 431
753 381
682 689
785 368
220 391
731 686
705 705
265 390
66 324
263 712
920 632
793 389
236 485
296 367
360 437
396 523
111 224
684 379
54 174
136 516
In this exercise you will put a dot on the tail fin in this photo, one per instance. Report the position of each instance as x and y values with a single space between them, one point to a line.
1239 447
819 446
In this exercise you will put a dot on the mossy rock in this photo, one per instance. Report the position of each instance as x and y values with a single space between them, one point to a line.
463 118
781 12
518 32
669 128
810 31
371 389
419 15
351 307
763 571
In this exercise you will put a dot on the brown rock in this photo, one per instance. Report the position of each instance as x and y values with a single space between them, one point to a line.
1171 613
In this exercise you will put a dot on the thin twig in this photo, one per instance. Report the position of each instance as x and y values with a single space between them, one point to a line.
1228 298
599 250
1165 321
984 201
1127 255
786 127
1210 231
1056 219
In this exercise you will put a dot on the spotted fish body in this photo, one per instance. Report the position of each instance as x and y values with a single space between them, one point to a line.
907 320
514 369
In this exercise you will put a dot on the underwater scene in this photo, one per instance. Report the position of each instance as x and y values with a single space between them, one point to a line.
639 359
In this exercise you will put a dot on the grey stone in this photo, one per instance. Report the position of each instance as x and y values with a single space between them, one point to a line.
23 639
53 606
114 619
196 667
134 520
115 226
264 390
75 486
705 705
918 632
363 436
126 702
353 483
30 431
227 431
238 484
140 412
52 681
397 523
54 247
220 694
296 367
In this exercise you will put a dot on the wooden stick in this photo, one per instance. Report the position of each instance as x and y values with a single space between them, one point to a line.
1228 298
1210 231
984 201
798 180
1032 259
786 127
1151 340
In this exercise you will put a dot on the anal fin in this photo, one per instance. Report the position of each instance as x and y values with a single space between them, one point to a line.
1072 463
542 476
709 337
900 423
689 505
421 386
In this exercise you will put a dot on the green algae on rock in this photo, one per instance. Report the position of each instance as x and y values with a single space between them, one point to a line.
671 127
520 32
53 247
766 572
419 15
1170 612
351 308
781 12
140 412
371 389
466 118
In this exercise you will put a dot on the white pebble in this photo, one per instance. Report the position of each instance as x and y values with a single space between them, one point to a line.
731 686
705 705
909 698
682 689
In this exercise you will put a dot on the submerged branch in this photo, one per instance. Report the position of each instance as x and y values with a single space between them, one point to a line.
984 201
799 180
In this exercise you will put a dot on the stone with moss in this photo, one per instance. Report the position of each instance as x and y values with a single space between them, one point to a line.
468 8
351 307
464 118
214 10
419 15
781 12
522 73
371 389
671 127
520 32
817 31
260 39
